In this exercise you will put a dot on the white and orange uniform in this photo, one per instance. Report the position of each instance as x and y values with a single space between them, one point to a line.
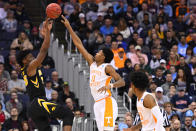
151 120
105 107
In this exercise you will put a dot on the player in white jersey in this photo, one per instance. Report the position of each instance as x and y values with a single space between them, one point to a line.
105 107
148 109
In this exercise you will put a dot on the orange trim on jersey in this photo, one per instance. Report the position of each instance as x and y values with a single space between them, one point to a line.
155 119
102 99
107 83
108 115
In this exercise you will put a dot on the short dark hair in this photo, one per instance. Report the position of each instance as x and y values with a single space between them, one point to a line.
140 80
21 56
108 54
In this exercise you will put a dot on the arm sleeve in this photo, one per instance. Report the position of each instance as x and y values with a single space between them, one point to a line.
158 118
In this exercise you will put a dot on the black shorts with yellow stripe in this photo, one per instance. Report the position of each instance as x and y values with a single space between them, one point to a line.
41 110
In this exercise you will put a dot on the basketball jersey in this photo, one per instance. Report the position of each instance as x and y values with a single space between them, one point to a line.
98 79
148 119
34 84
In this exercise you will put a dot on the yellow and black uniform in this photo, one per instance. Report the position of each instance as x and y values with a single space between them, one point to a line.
40 108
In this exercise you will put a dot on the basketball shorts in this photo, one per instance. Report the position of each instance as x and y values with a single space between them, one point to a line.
106 112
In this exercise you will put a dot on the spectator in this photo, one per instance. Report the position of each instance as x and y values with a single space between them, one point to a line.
167 8
176 126
70 105
25 126
99 21
192 43
107 28
181 102
172 69
194 119
48 89
4 74
88 5
14 103
15 84
119 60
3 11
190 112
181 79
159 79
163 65
167 84
103 6
10 23
168 108
161 99
182 9
108 41
129 15
123 28
172 91
136 30
22 42
121 42
54 97
146 25
56 81
144 49
188 123
12 122
73 18
120 8
173 60
35 39
66 93
169 40
134 57
152 7
189 54
20 13
81 25
2 115
128 122
11 64
68 8
4 77
116 127
179 24
183 65
92 14
182 46
140 15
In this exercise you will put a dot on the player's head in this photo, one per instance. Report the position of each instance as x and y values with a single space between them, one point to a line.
104 55
139 81
24 57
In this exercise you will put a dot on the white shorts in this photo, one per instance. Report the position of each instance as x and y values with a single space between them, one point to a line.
104 121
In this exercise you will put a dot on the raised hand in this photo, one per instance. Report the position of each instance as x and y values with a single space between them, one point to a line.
65 21
46 28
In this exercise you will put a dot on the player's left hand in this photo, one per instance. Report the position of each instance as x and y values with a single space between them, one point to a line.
104 89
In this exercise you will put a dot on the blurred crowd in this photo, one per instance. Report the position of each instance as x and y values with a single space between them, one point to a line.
154 36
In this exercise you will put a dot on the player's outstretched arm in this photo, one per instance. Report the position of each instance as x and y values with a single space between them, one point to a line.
149 102
47 26
77 42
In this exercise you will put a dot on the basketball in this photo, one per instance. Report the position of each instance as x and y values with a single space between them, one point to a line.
53 11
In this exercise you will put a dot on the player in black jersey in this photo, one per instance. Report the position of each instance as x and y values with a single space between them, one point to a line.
40 108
